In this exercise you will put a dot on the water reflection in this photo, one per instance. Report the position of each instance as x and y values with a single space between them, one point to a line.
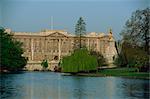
6 88
48 85
136 88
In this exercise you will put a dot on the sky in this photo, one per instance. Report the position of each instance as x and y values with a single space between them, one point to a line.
99 15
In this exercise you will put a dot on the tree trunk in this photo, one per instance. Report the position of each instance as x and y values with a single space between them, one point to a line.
80 40
147 46
117 49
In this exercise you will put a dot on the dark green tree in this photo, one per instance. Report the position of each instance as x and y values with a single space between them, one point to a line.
100 58
11 52
80 30
137 29
44 64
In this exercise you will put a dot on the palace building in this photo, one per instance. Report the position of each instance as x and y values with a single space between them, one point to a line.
53 45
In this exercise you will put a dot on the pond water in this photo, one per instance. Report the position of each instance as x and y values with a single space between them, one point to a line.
50 85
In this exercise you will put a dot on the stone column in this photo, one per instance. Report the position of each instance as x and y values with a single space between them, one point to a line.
45 48
32 50
43 45
59 49
97 44
88 46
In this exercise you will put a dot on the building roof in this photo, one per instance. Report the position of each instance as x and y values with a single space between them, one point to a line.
47 32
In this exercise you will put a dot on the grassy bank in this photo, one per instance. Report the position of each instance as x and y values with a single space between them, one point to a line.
118 72
124 72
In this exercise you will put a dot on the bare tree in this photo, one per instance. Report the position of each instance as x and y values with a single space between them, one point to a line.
137 28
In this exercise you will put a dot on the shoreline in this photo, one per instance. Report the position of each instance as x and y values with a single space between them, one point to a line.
105 75
132 75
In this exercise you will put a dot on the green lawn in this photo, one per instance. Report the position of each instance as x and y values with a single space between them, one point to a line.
124 72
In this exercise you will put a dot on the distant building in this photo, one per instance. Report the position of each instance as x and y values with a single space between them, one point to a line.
54 44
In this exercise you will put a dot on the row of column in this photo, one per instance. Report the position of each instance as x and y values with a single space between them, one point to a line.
45 48
100 45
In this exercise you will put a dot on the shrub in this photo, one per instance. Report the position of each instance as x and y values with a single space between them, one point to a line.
79 61
133 56
44 64
100 58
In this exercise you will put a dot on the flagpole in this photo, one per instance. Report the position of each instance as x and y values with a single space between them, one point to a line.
51 22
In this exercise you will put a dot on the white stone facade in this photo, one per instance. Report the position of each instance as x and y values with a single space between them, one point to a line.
51 44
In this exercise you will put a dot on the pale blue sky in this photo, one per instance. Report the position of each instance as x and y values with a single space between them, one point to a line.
99 15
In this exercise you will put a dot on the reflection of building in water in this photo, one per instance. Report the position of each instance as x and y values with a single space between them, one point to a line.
54 44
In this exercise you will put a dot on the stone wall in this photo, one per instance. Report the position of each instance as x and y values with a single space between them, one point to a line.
36 65
51 44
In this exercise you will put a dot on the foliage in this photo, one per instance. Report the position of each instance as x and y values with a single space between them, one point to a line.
137 29
133 56
80 28
44 64
79 61
11 52
100 58
80 31
119 61
134 49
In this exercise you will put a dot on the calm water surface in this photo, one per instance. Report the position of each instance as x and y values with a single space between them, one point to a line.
49 85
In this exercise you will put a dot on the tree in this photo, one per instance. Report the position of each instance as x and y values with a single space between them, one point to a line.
137 29
121 59
80 29
135 43
131 56
44 64
100 58
11 52
79 61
